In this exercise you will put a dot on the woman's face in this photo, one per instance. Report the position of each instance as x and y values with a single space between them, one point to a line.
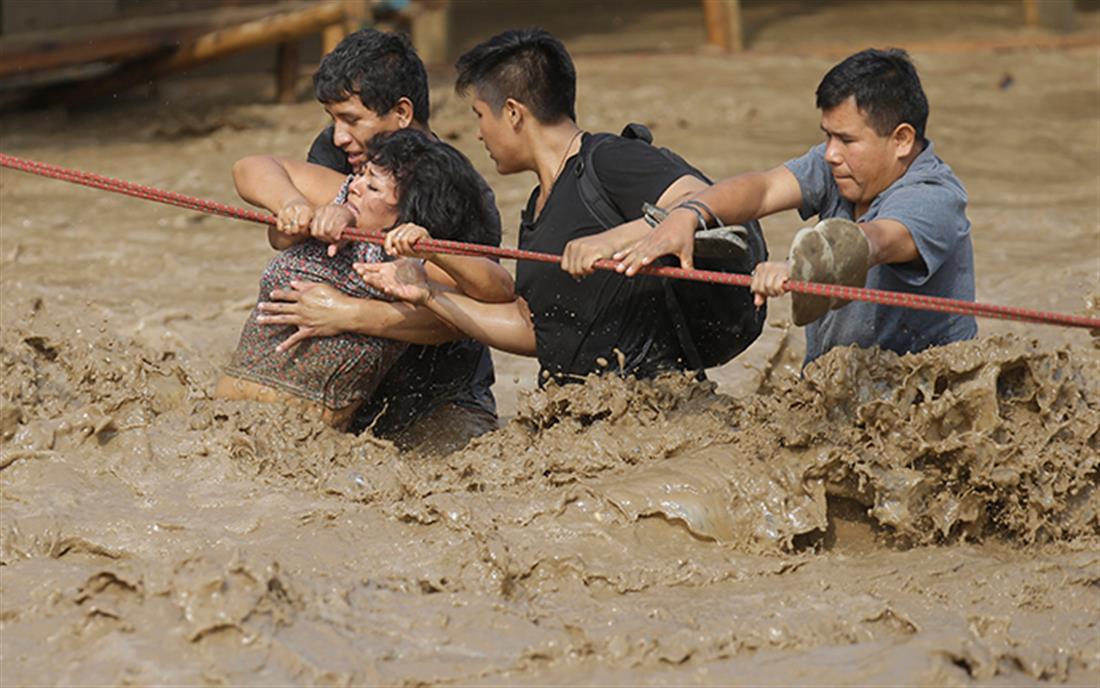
372 198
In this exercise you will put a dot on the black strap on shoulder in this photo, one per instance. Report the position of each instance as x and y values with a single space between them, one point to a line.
593 194
597 202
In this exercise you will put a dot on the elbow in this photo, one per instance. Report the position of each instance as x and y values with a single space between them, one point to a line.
244 170
501 293
502 288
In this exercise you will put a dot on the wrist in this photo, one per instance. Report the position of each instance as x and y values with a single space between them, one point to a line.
431 292
295 199
688 217
344 314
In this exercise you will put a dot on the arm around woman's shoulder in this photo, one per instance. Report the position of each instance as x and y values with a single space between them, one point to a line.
290 189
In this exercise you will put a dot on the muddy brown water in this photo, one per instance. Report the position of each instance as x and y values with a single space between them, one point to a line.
931 519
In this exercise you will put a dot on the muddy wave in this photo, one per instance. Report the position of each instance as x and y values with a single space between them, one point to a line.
153 534
996 437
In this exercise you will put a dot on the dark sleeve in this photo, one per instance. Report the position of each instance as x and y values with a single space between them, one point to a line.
325 152
634 172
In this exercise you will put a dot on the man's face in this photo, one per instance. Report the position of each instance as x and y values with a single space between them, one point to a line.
863 162
354 124
496 133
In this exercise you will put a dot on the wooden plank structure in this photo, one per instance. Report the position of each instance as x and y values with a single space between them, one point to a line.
77 64
725 30
723 24
106 59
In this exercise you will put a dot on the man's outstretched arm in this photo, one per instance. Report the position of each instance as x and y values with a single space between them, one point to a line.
735 200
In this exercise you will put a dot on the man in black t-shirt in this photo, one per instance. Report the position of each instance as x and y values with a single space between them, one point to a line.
524 85
603 321
374 82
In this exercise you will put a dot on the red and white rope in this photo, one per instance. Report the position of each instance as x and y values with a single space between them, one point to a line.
888 298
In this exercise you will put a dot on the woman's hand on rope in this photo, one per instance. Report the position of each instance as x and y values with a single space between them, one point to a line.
402 240
402 279
329 224
317 310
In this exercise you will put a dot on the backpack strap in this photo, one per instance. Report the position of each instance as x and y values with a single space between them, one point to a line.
593 194
599 204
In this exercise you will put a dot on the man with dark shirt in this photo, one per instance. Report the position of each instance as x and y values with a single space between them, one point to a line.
574 320
371 83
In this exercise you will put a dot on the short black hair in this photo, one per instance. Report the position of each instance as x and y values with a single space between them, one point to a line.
380 67
437 187
885 85
528 65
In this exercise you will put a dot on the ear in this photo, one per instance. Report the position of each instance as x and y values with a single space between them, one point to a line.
514 112
904 138
403 111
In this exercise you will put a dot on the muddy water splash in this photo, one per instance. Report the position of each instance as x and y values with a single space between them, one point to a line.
615 528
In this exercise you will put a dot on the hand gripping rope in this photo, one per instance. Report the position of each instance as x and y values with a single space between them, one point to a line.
888 298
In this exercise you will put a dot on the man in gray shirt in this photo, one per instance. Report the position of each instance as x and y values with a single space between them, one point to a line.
875 168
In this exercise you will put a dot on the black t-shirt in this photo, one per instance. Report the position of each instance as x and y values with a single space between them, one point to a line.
325 152
605 321
425 377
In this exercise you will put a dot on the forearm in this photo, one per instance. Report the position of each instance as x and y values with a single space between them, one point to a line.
479 278
395 320
627 234
504 326
736 200
262 181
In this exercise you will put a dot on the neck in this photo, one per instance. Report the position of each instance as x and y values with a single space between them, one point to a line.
552 146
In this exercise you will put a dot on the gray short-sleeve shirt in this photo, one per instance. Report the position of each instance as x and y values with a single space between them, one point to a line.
931 202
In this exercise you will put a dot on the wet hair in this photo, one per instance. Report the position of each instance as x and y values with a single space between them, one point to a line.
381 68
527 65
885 85
437 187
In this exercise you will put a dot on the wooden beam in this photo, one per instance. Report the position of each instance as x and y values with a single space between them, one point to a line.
286 72
27 57
331 37
723 24
278 28
355 14
1031 12
714 16
431 27
275 28
735 41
